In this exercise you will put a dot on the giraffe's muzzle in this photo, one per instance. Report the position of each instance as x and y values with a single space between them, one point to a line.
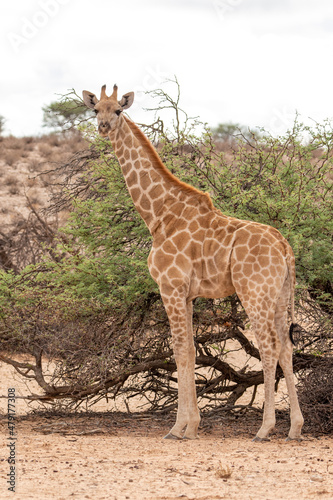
104 128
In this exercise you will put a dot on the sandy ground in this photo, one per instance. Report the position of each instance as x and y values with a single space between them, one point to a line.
116 455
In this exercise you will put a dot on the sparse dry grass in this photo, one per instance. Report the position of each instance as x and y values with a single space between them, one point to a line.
53 140
23 162
35 198
35 165
14 190
223 471
28 139
47 178
13 143
11 180
45 149
11 157
76 143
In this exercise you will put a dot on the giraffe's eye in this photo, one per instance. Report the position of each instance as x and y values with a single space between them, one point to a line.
118 111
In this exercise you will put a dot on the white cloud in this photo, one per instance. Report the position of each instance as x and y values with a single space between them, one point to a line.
247 61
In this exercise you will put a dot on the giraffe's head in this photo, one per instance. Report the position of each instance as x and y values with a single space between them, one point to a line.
107 109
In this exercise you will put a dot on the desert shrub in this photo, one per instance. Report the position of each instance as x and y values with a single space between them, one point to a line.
11 180
280 182
64 114
11 157
45 149
35 164
53 140
89 303
28 143
316 396
12 142
228 134
2 124
14 190
28 240
28 139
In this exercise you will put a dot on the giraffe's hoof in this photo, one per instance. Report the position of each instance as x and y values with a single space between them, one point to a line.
258 439
191 438
299 439
171 436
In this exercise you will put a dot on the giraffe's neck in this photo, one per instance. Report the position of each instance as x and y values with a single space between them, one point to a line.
154 190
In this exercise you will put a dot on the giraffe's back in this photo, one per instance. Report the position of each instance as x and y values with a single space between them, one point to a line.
213 256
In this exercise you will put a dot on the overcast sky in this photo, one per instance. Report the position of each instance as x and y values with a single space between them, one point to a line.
249 61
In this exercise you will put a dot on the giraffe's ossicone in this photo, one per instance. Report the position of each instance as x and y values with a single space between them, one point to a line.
199 252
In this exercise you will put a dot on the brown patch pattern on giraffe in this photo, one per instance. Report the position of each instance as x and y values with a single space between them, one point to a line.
198 251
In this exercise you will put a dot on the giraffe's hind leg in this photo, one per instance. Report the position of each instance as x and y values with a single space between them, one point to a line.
269 346
262 322
261 312
286 361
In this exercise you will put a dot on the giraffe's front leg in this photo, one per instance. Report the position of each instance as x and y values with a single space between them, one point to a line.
180 318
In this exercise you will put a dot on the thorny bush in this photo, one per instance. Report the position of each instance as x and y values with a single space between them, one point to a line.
89 306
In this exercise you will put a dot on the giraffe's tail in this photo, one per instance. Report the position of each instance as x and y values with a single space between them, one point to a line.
291 329
292 279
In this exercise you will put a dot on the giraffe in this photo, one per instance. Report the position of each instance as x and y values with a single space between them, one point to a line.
197 251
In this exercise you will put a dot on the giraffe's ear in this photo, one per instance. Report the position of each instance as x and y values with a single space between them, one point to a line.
89 99
127 100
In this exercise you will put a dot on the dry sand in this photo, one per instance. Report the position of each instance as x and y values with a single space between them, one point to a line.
117 455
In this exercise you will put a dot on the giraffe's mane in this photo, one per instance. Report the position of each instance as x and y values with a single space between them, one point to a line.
160 167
